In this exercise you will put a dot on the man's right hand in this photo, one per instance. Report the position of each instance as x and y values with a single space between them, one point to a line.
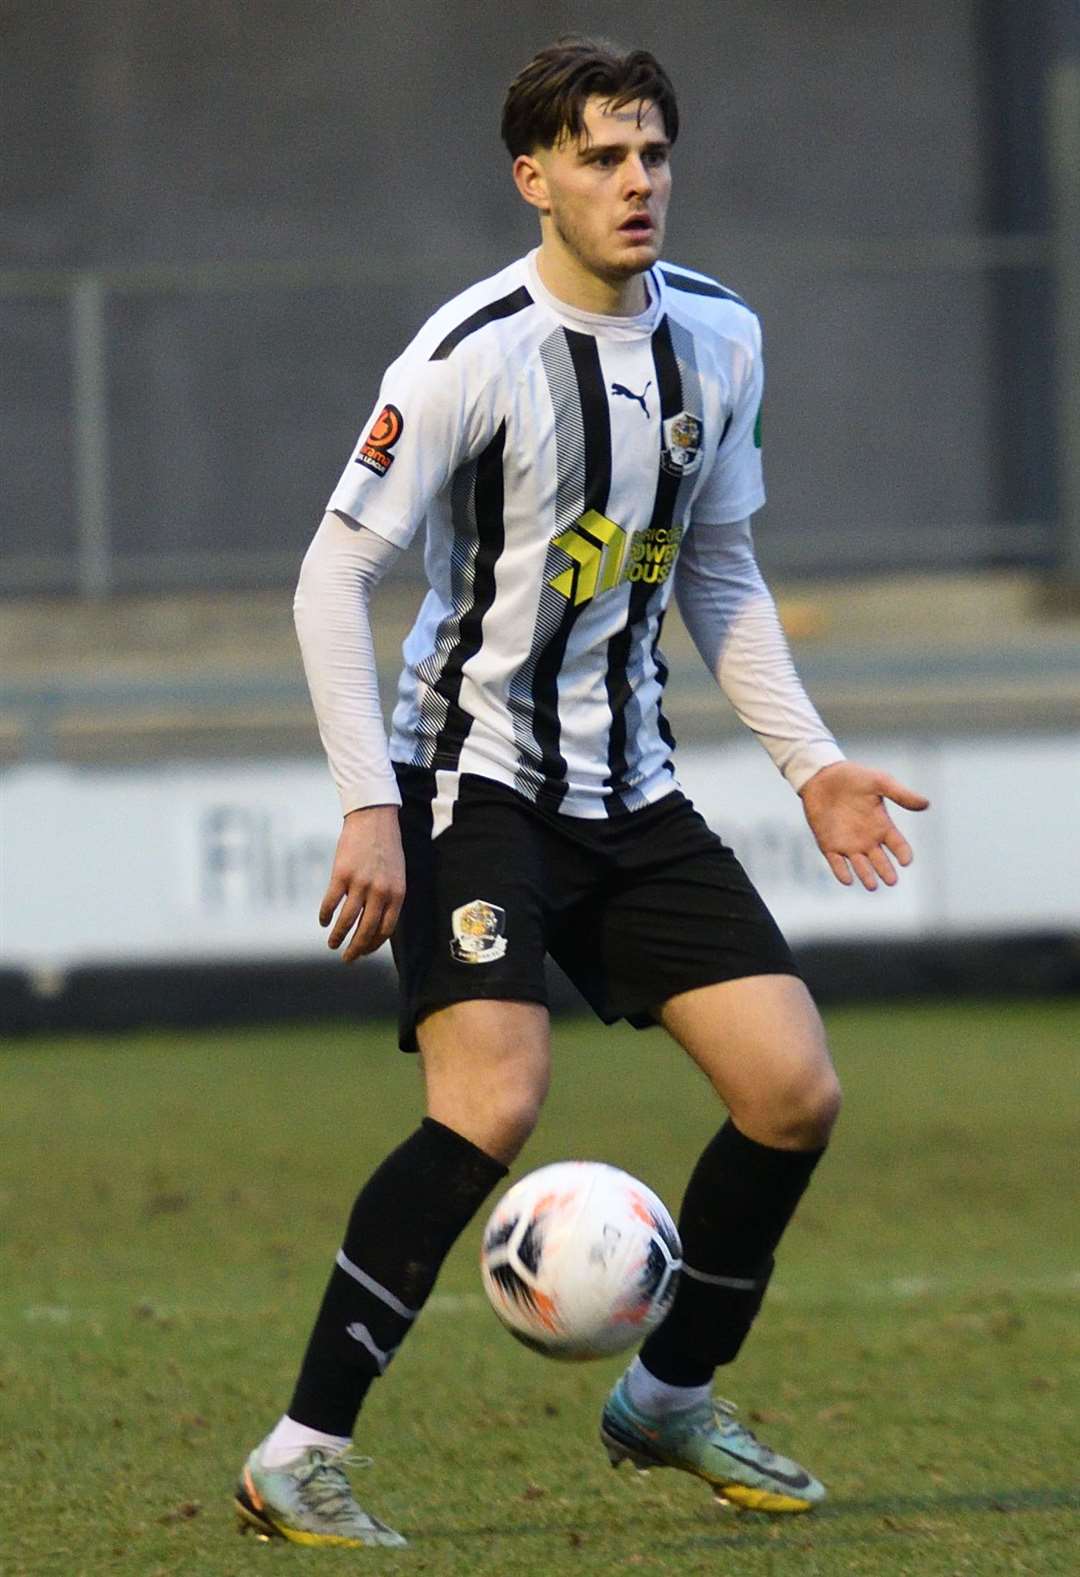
367 881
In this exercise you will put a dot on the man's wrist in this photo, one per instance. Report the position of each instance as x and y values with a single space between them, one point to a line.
812 762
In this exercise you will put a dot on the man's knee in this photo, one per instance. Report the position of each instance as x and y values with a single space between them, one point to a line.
798 1113
497 1120
511 1116
486 1070
816 1108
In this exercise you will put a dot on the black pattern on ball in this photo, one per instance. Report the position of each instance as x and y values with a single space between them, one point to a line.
500 1235
531 1247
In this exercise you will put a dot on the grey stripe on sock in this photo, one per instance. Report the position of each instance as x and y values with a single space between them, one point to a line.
374 1288
734 1283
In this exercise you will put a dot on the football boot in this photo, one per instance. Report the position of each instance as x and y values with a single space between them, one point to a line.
308 1500
708 1441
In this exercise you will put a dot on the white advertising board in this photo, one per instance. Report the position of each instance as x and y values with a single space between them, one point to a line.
229 862
163 864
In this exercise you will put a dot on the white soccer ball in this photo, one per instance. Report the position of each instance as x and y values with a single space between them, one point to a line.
580 1260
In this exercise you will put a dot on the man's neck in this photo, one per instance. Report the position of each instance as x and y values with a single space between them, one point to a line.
569 282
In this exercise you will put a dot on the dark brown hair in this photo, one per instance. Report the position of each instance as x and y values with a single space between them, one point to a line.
546 100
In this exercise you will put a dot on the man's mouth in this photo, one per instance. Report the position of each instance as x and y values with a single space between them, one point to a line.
637 225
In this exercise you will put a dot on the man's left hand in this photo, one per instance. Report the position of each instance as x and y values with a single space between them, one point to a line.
845 806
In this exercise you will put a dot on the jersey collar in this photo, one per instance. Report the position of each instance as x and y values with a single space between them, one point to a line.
598 323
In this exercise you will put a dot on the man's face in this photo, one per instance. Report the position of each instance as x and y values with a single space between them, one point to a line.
606 193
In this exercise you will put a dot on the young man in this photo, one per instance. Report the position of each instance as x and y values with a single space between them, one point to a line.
581 433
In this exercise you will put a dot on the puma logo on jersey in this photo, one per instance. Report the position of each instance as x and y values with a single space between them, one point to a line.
639 399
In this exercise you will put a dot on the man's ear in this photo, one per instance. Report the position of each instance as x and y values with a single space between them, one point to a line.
531 182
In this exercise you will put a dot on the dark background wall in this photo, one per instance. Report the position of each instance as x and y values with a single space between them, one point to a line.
134 135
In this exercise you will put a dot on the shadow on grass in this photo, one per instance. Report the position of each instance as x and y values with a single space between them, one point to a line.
740 1530
1065 1499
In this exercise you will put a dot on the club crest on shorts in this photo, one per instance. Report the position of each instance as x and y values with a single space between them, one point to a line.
479 931
681 452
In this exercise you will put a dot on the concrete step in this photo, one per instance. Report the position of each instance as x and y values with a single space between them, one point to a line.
220 675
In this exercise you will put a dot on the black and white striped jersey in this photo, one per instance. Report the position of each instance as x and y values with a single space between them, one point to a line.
559 458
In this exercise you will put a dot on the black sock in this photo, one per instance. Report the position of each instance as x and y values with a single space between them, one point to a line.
739 1199
404 1223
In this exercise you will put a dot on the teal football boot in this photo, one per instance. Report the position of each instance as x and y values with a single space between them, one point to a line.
309 1501
708 1442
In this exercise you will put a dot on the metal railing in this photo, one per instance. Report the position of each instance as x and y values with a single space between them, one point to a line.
87 294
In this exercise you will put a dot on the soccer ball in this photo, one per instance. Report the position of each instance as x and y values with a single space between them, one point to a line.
580 1260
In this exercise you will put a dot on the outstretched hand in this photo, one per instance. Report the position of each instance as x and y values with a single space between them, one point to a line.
845 806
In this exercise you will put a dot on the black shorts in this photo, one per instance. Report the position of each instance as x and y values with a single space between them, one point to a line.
635 908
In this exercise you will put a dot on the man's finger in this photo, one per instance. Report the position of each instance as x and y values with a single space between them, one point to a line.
392 916
897 844
839 867
864 871
896 791
333 896
375 925
348 914
884 866
365 939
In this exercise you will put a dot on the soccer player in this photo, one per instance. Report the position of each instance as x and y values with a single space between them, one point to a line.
581 433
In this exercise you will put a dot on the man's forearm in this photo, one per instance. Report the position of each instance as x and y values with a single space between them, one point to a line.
341 568
732 619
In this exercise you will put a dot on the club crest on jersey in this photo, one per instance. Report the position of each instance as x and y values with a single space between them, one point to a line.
386 429
479 931
681 451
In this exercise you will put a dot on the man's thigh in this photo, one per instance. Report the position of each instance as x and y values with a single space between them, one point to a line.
761 1043
486 1070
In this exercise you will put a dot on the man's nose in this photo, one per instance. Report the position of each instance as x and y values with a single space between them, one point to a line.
638 178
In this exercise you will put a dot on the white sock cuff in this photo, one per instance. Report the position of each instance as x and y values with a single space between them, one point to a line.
288 1439
655 1397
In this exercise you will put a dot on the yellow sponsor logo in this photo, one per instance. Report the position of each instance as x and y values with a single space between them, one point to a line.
596 546
603 556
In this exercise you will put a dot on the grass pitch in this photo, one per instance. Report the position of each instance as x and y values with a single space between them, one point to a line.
170 1203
